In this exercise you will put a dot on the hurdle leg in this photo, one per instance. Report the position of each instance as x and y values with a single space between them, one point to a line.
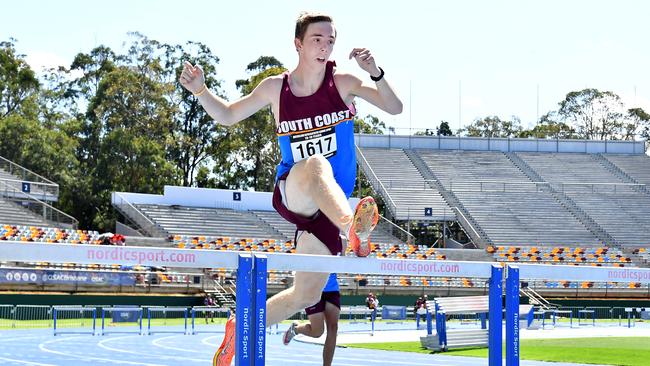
496 317
259 296
243 311
512 316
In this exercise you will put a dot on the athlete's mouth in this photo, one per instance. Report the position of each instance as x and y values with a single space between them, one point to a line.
320 59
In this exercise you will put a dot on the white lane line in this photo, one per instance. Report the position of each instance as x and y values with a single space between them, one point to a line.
87 358
210 343
147 354
26 362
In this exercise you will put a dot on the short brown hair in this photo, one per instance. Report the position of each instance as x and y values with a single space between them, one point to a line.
307 18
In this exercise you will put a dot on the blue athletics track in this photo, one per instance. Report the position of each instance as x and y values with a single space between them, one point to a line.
39 347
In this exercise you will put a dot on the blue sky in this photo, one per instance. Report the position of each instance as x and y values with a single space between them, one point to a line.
500 53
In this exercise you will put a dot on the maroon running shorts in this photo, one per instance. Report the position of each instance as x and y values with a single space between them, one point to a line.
333 297
318 225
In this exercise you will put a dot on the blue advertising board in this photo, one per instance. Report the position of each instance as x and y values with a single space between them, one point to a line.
53 277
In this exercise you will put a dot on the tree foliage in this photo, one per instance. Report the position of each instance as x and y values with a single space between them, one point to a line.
493 126
370 125
596 115
18 82
444 129
550 128
247 159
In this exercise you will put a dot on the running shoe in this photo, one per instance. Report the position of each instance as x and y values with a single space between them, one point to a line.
289 334
365 219
226 351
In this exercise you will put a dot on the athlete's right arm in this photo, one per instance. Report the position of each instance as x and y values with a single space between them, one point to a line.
224 112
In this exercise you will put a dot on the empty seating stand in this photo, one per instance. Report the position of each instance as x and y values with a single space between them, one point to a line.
11 213
208 221
405 185
509 207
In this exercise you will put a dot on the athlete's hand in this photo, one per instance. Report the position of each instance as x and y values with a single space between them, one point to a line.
192 77
365 60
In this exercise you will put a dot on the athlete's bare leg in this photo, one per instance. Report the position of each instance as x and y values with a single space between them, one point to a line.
307 286
316 326
332 324
310 186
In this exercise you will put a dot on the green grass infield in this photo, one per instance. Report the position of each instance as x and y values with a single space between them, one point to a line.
624 351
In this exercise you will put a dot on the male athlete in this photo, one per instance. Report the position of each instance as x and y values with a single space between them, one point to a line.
314 116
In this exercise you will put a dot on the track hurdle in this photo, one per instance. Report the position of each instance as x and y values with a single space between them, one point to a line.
207 312
252 275
163 314
530 272
74 319
116 315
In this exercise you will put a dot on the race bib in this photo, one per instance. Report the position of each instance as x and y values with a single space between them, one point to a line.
318 142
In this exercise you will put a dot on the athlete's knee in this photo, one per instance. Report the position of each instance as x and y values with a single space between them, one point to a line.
318 165
332 327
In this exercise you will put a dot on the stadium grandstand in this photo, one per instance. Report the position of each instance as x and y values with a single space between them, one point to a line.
560 202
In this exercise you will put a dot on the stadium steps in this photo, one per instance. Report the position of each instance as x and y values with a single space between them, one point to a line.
13 175
625 216
12 214
469 224
179 220
280 226
563 199
608 161
404 191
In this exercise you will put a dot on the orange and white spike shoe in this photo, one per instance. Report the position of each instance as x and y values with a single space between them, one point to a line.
365 219
226 351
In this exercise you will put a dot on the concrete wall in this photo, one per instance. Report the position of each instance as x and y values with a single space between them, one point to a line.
500 144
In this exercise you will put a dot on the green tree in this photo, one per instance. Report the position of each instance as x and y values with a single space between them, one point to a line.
637 123
550 128
195 134
493 126
594 114
248 157
444 129
369 125
137 120
18 83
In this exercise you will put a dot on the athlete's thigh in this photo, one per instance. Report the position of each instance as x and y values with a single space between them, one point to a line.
296 191
331 314
310 281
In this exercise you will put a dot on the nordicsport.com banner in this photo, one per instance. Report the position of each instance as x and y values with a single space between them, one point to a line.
54 277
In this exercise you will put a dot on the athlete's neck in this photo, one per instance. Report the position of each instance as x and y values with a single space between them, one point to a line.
306 79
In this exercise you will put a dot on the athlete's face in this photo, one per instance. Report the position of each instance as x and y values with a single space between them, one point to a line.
318 43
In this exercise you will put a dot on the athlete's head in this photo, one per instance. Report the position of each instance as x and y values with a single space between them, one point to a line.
314 36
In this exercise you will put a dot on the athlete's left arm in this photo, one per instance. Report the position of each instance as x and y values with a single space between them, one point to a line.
381 94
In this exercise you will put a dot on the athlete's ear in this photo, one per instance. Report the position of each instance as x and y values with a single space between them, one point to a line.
297 43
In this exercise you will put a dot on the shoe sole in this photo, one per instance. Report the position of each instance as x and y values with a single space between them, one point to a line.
284 337
365 217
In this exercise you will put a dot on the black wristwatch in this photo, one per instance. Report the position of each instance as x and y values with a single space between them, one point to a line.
377 78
